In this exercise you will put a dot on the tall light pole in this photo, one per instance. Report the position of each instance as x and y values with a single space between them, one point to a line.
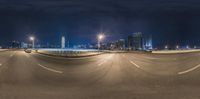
187 47
177 47
166 47
33 41
100 38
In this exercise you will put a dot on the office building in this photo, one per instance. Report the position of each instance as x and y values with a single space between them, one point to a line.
135 41
63 42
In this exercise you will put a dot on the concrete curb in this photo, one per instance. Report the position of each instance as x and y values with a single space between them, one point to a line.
4 50
175 52
69 56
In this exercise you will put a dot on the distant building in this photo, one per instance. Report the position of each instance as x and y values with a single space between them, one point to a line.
63 42
138 41
135 41
24 45
81 46
15 44
115 45
120 44
147 43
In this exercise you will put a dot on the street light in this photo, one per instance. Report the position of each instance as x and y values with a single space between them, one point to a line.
187 47
33 41
100 38
177 47
166 47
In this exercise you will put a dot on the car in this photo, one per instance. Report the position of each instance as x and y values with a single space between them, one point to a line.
28 50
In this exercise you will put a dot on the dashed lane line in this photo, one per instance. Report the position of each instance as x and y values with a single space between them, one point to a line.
134 64
50 69
189 70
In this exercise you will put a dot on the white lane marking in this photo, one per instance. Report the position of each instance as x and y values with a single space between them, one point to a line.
189 70
0 64
134 64
49 69
151 58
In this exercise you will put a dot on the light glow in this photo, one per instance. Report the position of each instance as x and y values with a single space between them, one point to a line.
101 36
32 38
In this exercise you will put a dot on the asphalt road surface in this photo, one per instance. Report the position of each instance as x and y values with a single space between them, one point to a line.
106 76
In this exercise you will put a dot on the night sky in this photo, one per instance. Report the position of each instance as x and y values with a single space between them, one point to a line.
169 21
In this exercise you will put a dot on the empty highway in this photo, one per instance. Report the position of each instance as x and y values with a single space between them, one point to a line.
107 76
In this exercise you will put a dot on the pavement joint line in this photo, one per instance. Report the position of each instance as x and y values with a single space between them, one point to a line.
134 64
189 70
49 69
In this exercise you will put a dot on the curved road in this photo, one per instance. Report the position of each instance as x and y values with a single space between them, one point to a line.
107 76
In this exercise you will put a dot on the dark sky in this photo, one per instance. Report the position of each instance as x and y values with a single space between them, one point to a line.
171 21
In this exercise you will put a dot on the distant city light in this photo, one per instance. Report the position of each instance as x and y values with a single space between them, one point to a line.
177 46
32 38
33 41
187 46
101 36
166 47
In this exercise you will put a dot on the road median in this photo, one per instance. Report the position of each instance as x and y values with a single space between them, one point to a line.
3 50
69 54
175 51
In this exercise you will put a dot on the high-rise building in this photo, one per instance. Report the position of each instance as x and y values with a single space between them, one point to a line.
120 44
15 44
24 45
63 42
135 41
147 43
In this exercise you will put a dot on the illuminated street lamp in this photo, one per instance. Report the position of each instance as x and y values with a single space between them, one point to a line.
177 47
187 47
33 41
100 38
166 47
195 47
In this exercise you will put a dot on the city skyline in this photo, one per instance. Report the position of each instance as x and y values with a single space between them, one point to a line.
99 49
134 41
71 42
173 22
